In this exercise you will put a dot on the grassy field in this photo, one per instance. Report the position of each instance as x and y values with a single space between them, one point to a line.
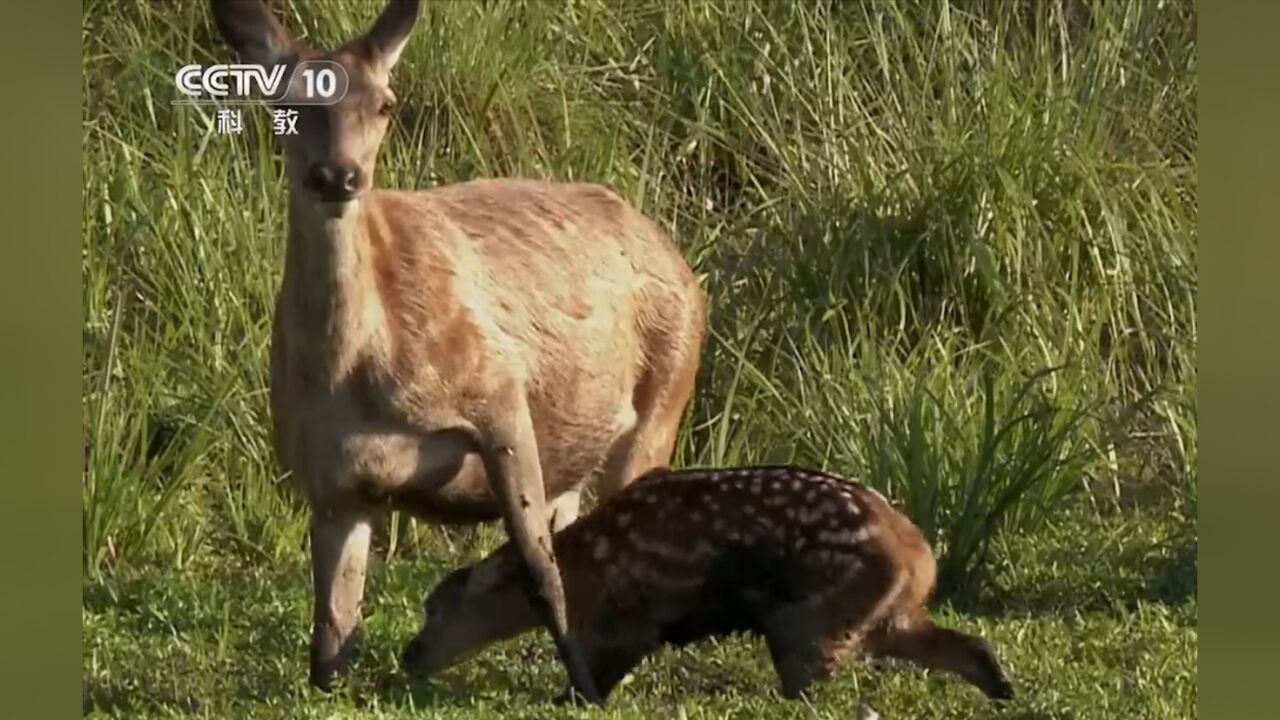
951 250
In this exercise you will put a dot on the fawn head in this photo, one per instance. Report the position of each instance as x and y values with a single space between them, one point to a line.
470 609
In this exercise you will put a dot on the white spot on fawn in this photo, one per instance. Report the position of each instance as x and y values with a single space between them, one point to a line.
864 532
601 549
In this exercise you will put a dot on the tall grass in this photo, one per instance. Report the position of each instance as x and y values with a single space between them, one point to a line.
950 246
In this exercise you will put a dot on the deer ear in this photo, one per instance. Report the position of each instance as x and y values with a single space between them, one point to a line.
390 33
253 32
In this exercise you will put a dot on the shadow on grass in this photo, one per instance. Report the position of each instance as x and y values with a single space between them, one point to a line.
1095 564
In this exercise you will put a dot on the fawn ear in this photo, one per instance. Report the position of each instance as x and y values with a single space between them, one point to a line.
254 33
384 42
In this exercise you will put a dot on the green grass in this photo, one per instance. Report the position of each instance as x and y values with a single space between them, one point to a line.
951 249
1094 618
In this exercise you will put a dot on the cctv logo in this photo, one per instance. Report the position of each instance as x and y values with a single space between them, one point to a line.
220 82
318 82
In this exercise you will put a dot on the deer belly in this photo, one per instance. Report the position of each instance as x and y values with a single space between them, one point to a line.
391 466
574 446
437 477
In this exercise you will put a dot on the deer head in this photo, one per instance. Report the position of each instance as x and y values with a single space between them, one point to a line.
333 156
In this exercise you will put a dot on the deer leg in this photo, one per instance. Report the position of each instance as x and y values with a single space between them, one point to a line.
794 643
564 509
796 665
640 450
660 399
810 640
609 665
339 555
646 446
510 453
917 639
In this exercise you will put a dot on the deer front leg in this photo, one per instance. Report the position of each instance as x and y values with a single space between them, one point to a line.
609 665
339 555
510 453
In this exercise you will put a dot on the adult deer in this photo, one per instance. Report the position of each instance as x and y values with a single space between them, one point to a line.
467 353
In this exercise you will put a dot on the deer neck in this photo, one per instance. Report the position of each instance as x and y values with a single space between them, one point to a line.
331 284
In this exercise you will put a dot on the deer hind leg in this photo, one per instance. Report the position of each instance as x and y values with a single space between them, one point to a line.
660 400
564 509
339 556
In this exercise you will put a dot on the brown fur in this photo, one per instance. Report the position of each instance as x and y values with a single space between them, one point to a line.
823 568
466 353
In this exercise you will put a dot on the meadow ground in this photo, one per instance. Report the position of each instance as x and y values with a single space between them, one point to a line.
951 250
1096 619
